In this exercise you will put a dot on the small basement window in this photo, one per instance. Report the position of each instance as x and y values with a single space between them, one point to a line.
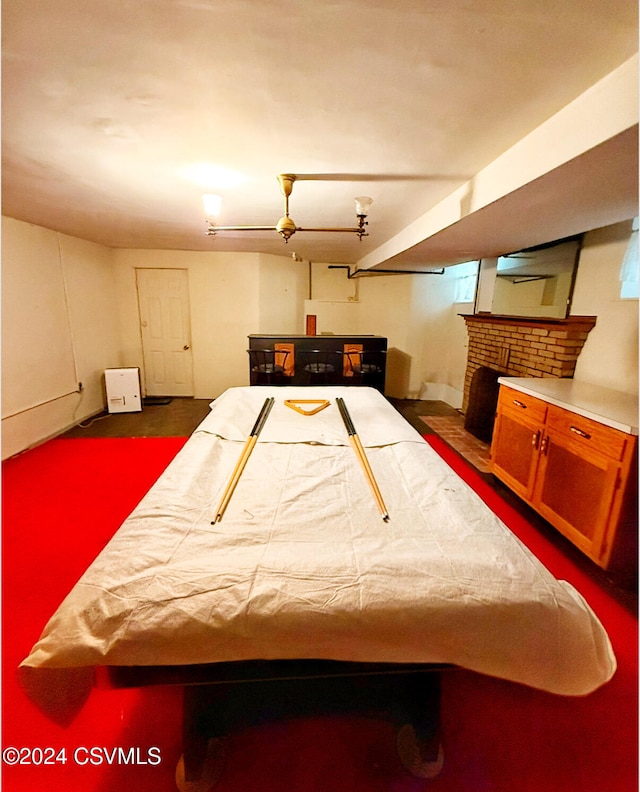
466 281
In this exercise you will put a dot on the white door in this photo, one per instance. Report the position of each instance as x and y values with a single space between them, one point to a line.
163 300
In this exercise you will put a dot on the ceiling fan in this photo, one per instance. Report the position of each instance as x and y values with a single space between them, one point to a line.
285 226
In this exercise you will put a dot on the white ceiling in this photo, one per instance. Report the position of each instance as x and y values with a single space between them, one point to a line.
110 110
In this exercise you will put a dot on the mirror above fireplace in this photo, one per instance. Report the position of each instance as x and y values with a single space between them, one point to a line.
537 282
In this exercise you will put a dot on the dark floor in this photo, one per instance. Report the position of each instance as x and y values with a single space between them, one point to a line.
180 416
177 418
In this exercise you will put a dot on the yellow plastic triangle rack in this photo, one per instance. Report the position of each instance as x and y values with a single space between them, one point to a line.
294 404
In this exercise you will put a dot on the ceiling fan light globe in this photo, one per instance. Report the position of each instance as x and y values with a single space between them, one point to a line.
212 206
363 202
286 227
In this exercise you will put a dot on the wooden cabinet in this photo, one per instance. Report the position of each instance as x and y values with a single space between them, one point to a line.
516 442
578 473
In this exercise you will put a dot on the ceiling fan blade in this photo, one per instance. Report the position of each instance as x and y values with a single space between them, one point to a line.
381 177
334 230
244 228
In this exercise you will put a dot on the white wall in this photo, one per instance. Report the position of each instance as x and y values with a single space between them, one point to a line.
333 300
331 283
91 327
427 338
386 304
282 288
610 354
231 296
333 316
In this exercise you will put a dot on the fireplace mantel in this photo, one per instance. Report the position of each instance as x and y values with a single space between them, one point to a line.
576 323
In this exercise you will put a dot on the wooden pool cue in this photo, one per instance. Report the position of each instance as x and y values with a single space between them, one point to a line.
244 456
359 449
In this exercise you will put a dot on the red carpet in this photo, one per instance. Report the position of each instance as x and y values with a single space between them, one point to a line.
61 504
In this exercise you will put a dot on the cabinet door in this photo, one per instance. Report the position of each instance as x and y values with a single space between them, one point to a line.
575 491
514 451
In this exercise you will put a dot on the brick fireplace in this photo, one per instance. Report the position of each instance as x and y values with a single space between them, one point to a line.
519 347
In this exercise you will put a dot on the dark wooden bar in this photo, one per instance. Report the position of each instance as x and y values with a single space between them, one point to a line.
322 360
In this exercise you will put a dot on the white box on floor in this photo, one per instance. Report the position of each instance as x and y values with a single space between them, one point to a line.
123 390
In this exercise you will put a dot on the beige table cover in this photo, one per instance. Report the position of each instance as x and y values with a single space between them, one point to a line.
302 565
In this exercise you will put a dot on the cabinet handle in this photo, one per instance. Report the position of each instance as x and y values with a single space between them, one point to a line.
544 447
535 439
580 433
520 404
